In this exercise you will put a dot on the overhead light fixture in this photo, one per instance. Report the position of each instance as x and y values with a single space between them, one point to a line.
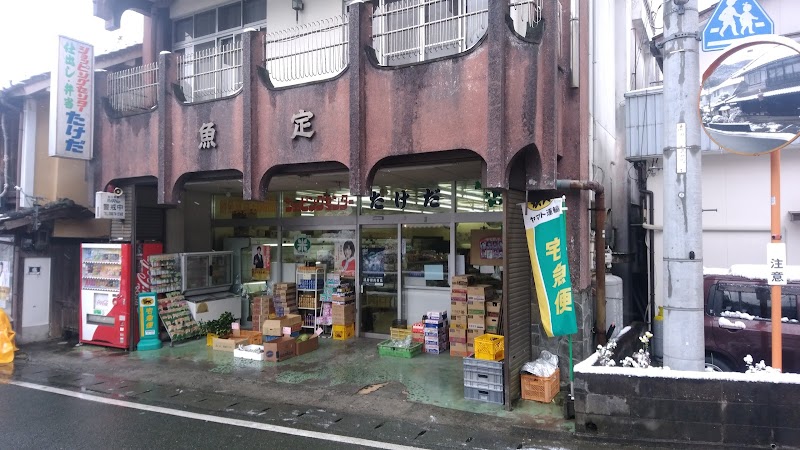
297 6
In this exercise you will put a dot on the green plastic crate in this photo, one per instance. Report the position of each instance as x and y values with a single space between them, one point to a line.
385 348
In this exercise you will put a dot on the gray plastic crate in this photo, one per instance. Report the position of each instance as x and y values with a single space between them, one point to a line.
482 373
484 395
482 365
484 381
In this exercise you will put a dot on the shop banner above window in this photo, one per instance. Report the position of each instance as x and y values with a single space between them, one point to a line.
546 230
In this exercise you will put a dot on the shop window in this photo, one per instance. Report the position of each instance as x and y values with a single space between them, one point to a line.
479 252
426 255
318 203
332 249
225 207
470 197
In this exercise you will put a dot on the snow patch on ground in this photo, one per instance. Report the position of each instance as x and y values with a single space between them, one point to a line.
587 366
723 322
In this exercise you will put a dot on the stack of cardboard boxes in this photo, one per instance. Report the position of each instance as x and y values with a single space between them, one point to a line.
261 308
418 333
477 296
458 315
343 311
284 299
435 332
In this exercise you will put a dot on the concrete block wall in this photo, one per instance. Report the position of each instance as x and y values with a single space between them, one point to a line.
723 409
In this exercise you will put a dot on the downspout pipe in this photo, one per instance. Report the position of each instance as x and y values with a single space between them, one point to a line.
599 248
651 254
4 131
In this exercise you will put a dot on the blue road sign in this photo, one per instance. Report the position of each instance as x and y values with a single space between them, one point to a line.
735 19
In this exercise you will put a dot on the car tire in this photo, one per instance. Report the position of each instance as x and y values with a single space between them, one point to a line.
716 364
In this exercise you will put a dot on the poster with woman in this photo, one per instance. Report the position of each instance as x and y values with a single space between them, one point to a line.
261 264
346 258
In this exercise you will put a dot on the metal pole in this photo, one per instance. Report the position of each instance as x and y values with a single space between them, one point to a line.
683 246
775 229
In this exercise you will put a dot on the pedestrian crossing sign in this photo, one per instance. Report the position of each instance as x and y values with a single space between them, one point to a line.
733 20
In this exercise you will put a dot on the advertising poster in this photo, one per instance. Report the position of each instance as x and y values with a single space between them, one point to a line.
346 257
5 284
261 263
546 230
72 101
486 248
373 266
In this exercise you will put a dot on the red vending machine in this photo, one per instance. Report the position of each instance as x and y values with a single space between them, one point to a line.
106 287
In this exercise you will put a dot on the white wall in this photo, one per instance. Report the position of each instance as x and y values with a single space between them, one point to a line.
280 14
737 188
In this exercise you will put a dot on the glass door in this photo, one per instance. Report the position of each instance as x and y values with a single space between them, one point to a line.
380 302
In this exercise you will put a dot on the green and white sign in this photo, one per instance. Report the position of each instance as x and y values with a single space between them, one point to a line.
546 229
302 245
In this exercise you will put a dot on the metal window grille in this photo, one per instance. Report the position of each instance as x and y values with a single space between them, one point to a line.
408 31
528 13
211 73
310 52
134 90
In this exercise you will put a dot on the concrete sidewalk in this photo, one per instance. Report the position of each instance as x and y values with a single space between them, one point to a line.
341 376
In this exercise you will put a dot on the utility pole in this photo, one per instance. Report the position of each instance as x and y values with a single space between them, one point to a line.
683 223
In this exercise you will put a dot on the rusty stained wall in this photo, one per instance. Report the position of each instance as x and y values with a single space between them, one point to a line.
447 104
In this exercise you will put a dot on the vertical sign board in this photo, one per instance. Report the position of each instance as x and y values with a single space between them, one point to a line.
72 101
148 322
776 262
546 231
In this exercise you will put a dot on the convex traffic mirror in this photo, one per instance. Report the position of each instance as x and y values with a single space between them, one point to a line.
750 97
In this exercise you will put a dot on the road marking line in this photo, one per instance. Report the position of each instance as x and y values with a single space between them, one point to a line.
216 419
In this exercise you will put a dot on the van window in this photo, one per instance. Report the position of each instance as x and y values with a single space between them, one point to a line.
755 300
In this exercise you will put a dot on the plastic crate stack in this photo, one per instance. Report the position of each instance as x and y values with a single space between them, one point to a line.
483 380
436 326
458 315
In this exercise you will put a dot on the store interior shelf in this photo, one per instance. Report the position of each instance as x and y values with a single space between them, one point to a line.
92 277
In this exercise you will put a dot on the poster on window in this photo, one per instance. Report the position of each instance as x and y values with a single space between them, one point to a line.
261 263
486 248
373 266
5 284
346 258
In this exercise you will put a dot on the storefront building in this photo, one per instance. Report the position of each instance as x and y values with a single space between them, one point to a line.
393 141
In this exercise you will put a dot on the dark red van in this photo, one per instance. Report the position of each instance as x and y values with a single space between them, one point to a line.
737 323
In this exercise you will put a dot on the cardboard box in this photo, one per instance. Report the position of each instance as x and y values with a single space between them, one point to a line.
458 349
435 332
476 322
458 290
458 296
254 355
472 334
228 345
476 307
436 315
463 280
253 337
459 322
492 322
458 335
458 309
343 314
471 348
480 292
493 307
307 346
280 349
492 330
274 327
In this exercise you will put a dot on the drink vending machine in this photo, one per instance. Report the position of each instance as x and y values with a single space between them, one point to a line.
108 274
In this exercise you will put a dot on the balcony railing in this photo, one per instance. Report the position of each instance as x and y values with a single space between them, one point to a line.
408 31
211 73
134 90
310 52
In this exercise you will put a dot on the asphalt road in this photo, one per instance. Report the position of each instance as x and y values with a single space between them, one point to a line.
31 419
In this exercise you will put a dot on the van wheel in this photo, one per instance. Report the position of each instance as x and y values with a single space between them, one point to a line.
716 364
